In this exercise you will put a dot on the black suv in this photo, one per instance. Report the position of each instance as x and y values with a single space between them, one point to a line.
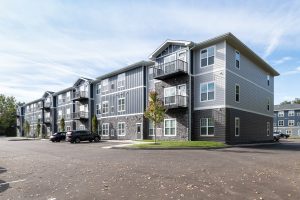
78 136
57 137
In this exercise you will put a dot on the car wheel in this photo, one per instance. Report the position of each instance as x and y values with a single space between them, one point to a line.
97 139
77 140
90 140
52 141
58 140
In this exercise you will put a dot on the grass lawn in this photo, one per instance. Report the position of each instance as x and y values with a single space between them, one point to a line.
181 144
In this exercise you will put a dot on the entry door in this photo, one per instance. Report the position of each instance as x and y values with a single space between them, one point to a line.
139 131
181 92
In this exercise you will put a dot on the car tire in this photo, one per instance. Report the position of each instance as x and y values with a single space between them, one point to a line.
97 139
77 140
52 141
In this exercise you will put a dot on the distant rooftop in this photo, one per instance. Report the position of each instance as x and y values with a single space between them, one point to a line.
287 107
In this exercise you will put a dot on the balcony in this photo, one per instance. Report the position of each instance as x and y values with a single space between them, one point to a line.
47 105
177 101
80 115
18 113
170 69
80 95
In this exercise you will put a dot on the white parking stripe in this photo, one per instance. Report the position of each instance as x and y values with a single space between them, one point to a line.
21 180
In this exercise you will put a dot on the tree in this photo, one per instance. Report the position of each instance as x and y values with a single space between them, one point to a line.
285 102
7 115
62 124
297 101
27 128
155 111
94 124
38 128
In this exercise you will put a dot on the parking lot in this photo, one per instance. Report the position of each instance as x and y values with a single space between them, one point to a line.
44 170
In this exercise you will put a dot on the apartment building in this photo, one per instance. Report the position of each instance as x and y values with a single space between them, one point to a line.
33 114
287 119
218 89
20 120
48 113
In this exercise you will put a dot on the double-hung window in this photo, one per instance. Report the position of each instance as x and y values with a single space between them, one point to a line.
170 127
121 103
280 122
105 85
237 93
98 88
207 91
281 114
121 129
151 128
268 128
207 127
237 59
170 95
268 80
207 56
291 113
268 104
291 123
237 126
105 129
98 109
121 80
105 107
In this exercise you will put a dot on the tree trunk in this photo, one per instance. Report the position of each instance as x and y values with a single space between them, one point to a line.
154 133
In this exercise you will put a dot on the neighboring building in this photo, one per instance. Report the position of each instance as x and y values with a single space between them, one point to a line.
33 114
20 120
214 90
48 114
287 119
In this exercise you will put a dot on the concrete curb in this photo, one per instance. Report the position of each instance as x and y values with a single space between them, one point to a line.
171 148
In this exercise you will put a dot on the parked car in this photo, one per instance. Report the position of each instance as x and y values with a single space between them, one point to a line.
78 136
57 137
284 135
276 136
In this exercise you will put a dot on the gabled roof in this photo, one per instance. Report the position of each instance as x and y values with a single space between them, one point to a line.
34 101
62 91
287 107
47 93
164 45
82 79
124 69
239 45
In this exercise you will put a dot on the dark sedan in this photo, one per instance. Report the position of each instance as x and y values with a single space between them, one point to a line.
57 137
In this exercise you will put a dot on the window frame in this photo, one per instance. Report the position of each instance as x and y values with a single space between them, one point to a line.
237 125
268 128
151 130
122 106
280 121
103 107
105 85
291 122
121 79
175 128
98 109
207 83
268 79
122 131
207 57
268 104
239 93
280 114
169 88
98 89
237 58
291 113
105 129
207 126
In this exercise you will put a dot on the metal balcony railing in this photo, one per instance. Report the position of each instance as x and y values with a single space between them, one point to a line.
169 69
177 101
80 95
80 115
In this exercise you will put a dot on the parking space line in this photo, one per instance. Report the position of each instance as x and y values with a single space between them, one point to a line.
21 180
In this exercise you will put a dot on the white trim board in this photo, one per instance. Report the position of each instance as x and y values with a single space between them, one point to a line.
121 115
103 95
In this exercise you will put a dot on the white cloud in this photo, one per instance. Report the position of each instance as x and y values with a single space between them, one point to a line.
292 72
282 60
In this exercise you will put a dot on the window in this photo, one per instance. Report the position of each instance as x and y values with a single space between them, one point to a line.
105 129
207 126
112 86
169 95
98 109
207 91
105 107
68 128
170 127
268 128
151 128
98 89
268 104
298 123
291 113
280 123
281 114
237 126
121 103
288 132
298 114
121 80
112 109
207 56
150 74
237 59
105 85
291 123
237 93
268 80
274 124
121 129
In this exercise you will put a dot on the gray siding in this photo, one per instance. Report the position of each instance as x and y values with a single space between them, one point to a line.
254 92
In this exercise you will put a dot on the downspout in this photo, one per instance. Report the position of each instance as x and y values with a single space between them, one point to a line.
190 56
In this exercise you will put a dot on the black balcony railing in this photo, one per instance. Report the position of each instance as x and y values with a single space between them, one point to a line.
177 101
167 70
80 115
80 95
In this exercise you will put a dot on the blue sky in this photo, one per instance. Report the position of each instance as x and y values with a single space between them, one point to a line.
47 45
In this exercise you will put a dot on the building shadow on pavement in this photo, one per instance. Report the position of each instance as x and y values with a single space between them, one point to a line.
3 185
